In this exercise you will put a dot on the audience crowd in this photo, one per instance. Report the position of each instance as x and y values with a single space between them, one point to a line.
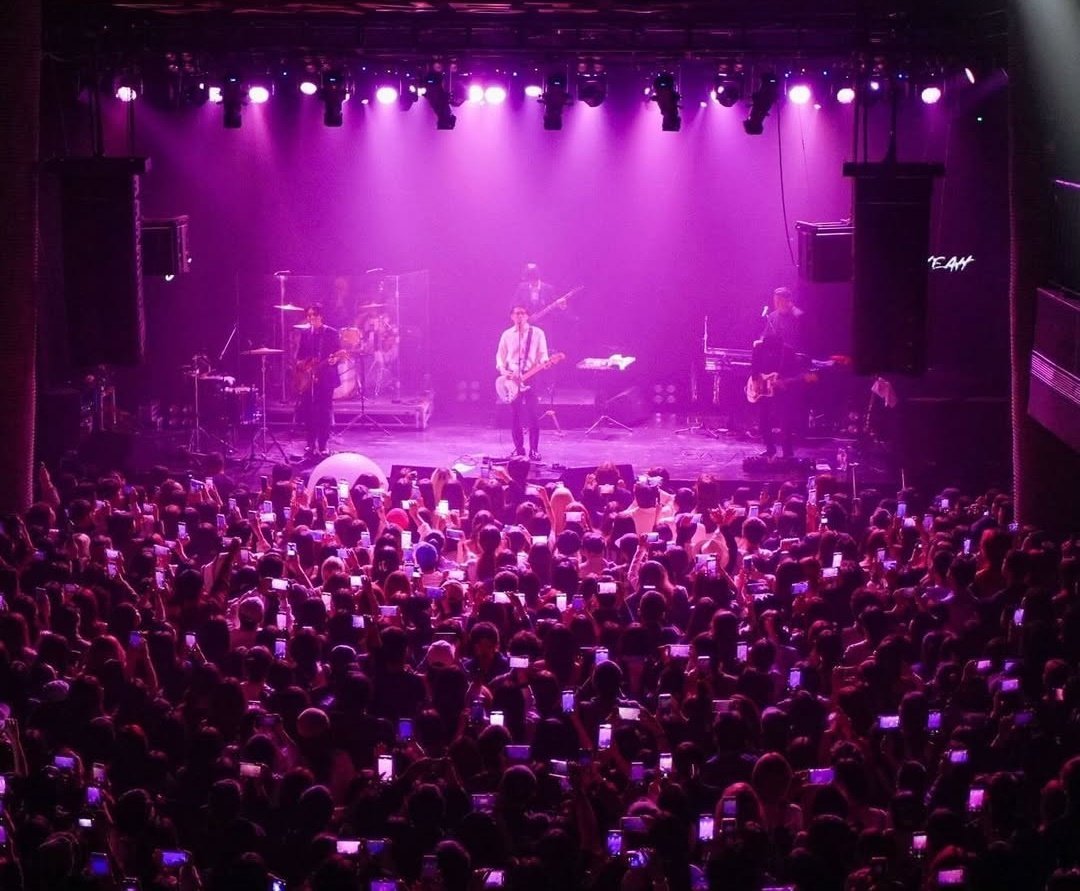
462 684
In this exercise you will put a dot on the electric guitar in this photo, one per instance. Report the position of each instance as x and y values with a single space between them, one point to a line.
555 304
508 389
309 371
765 386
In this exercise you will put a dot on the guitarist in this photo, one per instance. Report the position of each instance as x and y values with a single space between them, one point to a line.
522 347
776 353
316 378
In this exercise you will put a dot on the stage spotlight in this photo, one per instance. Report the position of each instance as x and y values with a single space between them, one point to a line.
258 94
308 87
194 90
798 90
969 73
476 93
386 95
592 88
554 99
761 103
233 97
534 91
930 94
127 93
495 95
439 99
727 90
666 96
845 95
410 92
333 94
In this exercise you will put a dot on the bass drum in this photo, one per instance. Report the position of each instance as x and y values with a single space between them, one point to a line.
346 379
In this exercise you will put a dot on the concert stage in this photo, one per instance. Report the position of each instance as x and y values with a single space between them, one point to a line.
660 442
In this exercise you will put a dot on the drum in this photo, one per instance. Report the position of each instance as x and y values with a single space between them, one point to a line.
346 379
350 338
242 406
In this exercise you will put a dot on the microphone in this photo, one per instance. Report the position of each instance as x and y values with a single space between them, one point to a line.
284 272
765 311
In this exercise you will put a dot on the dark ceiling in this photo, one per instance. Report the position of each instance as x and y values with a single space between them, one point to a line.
410 30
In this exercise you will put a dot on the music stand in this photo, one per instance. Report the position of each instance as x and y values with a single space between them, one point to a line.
615 362
263 438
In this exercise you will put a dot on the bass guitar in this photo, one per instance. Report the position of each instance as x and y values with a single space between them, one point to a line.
509 389
308 371
557 303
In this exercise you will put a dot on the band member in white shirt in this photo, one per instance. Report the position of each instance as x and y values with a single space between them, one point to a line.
521 348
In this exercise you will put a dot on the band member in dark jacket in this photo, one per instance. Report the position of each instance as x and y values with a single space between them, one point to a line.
317 377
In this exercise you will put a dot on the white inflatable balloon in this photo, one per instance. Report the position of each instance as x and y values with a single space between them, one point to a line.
347 466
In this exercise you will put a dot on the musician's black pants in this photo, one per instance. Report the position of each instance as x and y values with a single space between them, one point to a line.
316 412
523 412
778 410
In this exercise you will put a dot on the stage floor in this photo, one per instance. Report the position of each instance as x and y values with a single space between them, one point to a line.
657 443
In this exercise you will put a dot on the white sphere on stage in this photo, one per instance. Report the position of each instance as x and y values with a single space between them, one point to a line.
347 466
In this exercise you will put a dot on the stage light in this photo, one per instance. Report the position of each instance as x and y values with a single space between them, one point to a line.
845 95
727 89
386 95
258 94
476 93
534 91
233 97
800 94
308 87
930 94
439 99
554 99
495 95
410 93
592 88
969 73
126 87
215 95
761 103
194 91
334 93
126 93
665 94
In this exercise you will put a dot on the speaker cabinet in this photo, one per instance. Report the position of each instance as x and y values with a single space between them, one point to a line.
165 247
825 251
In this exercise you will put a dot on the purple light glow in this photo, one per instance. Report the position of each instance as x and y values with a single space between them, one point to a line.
309 87
126 94
386 95
931 95
875 85
257 95
476 93
969 74
799 94
214 95
534 91
845 95
495 95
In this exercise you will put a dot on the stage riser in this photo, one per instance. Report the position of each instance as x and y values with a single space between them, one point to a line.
412 414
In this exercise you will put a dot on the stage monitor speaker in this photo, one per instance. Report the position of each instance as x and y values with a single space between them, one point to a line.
892 242
165 247
629 407
825 251
99 213
1065 255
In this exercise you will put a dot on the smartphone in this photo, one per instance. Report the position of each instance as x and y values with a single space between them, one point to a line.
279 584
181 530
951 878
976 796
1010 685
983 666
637 771
376 846
290 549
918 844
794 678
384 885
637 859
679 651
518 753
519 661
830 572
800 587
86 823
705 827
93 796
250 769
476 711
496 719
174 859
348 847
98 772
404 728
276 884
406 539
99 864
704 665
189 640
607 588
358 622
601 655
495 878
889 722
560 602
933 721
742 649
603 737
664 762
901 510
484 802
1018 616
819 776
279 648
629 713
729 806
958 756
64 762
133 639
614 842
386 768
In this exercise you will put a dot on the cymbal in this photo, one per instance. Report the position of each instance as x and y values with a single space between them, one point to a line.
288 307
262 351
371 305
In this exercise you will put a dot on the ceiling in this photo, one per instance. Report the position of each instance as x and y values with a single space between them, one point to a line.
643 30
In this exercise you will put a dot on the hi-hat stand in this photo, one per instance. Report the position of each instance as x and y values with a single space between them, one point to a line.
197 371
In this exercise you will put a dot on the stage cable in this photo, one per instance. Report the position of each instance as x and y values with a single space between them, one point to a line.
783 192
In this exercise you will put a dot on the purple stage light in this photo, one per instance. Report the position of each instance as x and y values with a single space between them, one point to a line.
969 74
875 86
845 95
495 95
476 93
931 95
309 87
534 91
257 95
386 95
214 95
126 93
799 94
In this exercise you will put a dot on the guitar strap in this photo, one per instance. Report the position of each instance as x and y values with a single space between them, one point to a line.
525 352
